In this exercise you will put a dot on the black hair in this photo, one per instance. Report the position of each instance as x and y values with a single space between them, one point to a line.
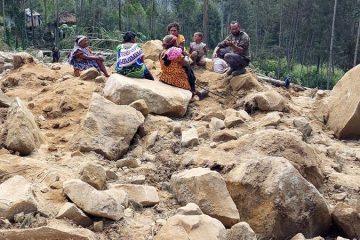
174 24
129 36
234 22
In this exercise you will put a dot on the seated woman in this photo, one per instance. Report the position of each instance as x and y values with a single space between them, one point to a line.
81 57
175 70
130 58
174 29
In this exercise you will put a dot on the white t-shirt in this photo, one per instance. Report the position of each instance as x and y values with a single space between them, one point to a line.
220 66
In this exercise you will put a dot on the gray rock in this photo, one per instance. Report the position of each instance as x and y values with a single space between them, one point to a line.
270 101
89 74
241 231
189 209
128 162
208 190
141 106
160 98
216 124
16 196
107 128
282 202
95 175
73 213
147 196
98 226
5 101
347 219
54 230
22 133
189 138
108 203
224 136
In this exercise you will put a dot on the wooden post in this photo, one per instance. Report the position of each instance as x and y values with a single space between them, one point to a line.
330 66
357 43
206 20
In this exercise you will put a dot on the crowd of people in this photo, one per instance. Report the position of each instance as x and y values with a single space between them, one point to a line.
230 56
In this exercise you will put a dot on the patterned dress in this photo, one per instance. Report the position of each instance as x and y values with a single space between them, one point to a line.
174 74
79 63
129 60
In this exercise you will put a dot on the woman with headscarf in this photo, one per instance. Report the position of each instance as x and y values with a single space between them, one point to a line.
81 57
130 58
175 70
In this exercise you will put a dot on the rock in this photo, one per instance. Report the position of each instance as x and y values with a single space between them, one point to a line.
176 128
233 121
108 203
339 196
147 196
107 128
282 202
189 138
216 124
73 213
240 231
203 132
270 119
89 74
128 162
19 217
5 101
95 175
141 106
245 81
269 101
111 175
151 139
303 125
300 236
54 230
16 196
224 136
284 144
189 209
22 58
347 219
213 113
160 98
199 227
207 189
100 79
150 64
138 179
7 66
345 121
22 133
98 226
152 49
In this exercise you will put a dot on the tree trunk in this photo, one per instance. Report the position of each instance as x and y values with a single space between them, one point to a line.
45 11
356 45
32 24
330 66
57 22
206 20
119 15
3 13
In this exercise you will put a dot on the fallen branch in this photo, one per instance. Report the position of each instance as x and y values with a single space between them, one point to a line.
279 83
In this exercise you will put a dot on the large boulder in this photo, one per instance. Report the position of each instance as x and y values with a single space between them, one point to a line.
160 98
56 229
240 231
22 133
5 101
95 175
285 144
347 219
16 196
152 49
191 227
276 200
267 101
207 189
108 203
107 128
22 58
345 121
245 81
147 196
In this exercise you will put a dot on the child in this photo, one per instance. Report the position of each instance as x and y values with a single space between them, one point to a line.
55 54
220 66
198 50
82 58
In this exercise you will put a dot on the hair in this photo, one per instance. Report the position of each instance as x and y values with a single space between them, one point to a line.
174 24
168 42
128 36
234 22
78 38
200 34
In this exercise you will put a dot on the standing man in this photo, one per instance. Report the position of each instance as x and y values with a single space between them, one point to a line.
235 50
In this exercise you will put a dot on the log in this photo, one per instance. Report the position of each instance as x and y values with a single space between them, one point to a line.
279 83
